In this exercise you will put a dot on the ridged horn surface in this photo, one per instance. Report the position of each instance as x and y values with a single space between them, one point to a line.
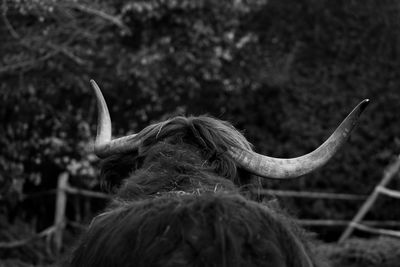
281 168
104 145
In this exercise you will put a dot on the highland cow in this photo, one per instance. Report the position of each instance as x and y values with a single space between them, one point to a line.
208 229
184 198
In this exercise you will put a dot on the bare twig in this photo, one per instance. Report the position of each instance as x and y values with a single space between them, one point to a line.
19 243
67 53
28 63
56 48
113 19
10 28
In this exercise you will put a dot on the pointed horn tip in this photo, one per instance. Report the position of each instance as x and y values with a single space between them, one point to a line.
364 104
92 82
95 87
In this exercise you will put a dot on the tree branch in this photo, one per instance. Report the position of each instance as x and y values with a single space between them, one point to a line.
10 28
103 15
27 63
19 243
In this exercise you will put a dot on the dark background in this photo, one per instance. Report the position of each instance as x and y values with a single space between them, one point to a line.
285 72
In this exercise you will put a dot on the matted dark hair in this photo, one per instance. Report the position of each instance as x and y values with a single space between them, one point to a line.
216 229
180 198
181 146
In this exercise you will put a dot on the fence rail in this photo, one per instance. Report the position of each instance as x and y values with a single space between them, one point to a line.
373 230
54 233
380 189
86 193
345 223
305 194
18 243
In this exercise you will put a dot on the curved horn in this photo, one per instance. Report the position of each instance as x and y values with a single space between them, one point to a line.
279 168
104 146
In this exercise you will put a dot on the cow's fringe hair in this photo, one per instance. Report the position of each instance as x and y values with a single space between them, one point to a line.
217 229
172 168
210 133
202 140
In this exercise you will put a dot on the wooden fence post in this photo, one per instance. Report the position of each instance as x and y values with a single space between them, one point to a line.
59 214
389 173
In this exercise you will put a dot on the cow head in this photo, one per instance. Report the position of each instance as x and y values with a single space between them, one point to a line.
180 202
214 144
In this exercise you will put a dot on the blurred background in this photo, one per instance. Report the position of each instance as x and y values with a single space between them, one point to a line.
285 72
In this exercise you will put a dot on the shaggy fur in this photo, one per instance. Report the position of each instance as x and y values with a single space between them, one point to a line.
216 229
174 151
181 201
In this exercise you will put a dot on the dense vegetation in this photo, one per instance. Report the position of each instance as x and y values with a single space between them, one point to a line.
287 72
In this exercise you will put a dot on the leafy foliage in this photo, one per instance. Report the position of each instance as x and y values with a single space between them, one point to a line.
285 71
